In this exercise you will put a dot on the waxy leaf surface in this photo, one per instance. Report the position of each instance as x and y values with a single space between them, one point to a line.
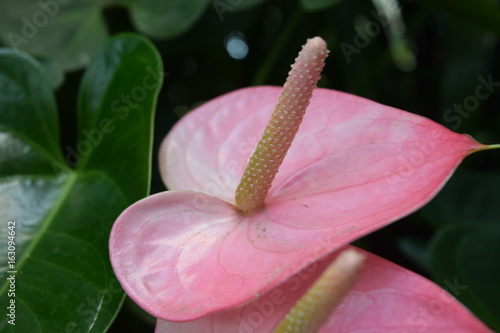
63 216
385 298
354 167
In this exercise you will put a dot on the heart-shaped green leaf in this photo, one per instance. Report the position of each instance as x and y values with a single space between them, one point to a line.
62 216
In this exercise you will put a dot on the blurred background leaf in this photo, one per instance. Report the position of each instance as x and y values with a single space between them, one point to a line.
165 19
314 5
464 260
481 13
66 32
69 32
469 196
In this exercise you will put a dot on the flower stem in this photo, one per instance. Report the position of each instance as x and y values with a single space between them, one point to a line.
283 125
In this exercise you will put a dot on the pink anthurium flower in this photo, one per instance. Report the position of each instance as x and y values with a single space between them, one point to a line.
229 232
385 298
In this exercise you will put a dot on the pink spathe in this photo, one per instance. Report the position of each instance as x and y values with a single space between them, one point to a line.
200 263
354 167
385 298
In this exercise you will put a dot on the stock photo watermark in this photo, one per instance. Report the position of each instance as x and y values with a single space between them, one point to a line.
369 30
460 111
11 272
453 117
31 24
423 318
223 6
121 107
266 308
89 308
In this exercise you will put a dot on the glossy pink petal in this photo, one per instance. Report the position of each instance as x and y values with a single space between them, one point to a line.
345 143
354 167
385 298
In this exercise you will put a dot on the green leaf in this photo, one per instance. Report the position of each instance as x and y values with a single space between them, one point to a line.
482 269
395 30
464 260
166 19
69 32
415 249
465 69
247 4
63 216
54 74
482 13
469 196
317 5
